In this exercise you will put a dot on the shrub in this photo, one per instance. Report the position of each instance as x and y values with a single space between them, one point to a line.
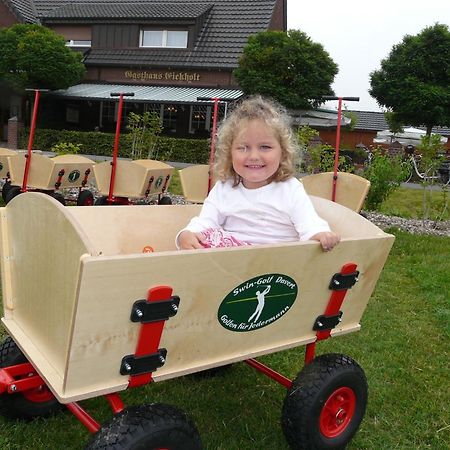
385 175
193 151
66 148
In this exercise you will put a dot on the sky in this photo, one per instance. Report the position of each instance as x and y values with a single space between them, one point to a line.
358 34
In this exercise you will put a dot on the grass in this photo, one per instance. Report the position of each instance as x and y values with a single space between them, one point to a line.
412 203
403 347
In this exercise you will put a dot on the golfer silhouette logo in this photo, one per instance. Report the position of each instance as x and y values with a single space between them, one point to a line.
261 297
275 293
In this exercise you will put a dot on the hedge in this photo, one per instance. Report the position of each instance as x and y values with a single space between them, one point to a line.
193 151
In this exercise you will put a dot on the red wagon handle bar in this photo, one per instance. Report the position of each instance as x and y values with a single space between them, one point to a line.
216 101
37 93
338 137
112 180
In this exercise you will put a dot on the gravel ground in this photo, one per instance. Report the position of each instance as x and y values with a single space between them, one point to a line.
414 226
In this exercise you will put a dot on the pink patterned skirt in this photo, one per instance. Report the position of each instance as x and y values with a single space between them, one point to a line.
216 237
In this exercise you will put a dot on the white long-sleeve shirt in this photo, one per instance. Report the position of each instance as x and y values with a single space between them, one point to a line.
277 212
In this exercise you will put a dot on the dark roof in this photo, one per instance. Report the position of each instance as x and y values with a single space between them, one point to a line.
375 121
370 120
23 9
123 11
224 34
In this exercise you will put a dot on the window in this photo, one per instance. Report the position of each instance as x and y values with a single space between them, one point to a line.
170 118
110 111
200 118
164 38
78 43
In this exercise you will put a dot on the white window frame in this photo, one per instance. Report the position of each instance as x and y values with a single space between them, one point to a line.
71 43
164 38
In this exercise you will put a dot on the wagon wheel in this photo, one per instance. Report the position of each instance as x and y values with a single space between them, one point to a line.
325 404
59 197
165 200
85 198
38 402
156 426
5 189
12 192
101 201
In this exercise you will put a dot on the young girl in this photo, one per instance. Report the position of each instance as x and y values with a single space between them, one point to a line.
257 199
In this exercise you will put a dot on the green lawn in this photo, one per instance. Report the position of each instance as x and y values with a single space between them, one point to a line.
403 348
413 203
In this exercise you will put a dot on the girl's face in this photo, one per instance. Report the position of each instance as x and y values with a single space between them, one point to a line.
255 154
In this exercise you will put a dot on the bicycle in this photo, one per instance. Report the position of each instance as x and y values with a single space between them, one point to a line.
430 175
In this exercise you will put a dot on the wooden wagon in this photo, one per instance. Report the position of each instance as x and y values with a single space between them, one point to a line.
94 315
50 175
132 179
4 163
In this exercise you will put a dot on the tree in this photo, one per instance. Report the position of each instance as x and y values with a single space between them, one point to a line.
32 56
288 67
414 80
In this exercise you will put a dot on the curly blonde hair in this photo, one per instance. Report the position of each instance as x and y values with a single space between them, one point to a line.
274 116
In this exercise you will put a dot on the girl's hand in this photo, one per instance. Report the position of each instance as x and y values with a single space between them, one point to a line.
187 240
328 240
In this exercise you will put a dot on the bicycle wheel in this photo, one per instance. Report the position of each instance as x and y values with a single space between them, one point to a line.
432 176
407 170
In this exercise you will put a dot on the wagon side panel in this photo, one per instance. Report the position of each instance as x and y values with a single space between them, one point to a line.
40 172
40 267
129 178
16 165
74 167
219 293
4 162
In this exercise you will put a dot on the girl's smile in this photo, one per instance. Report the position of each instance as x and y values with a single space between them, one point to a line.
255 153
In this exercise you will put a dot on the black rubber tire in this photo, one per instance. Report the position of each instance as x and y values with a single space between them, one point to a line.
147 427
59 197
101 201
305 401
5 189
165 200
85 198
13 191
18 406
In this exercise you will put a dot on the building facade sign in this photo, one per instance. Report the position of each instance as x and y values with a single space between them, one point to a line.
144 75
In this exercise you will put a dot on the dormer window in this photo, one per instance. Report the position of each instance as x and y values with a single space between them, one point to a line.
163 38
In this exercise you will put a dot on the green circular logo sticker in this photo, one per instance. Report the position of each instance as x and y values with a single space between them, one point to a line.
258 302
159 182
74 175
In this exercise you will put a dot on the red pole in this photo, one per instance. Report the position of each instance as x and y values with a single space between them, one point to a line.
121 95
338 137
336 149
30 140
212 152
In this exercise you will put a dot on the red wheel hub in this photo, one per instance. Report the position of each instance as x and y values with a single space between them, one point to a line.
337 412
40 394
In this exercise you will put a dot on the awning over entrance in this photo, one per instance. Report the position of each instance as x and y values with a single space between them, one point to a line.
148 94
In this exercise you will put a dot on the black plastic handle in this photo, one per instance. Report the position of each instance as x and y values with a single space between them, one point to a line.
348 99
125 94
221 99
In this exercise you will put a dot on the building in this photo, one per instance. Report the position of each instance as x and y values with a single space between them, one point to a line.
368 123
168 54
